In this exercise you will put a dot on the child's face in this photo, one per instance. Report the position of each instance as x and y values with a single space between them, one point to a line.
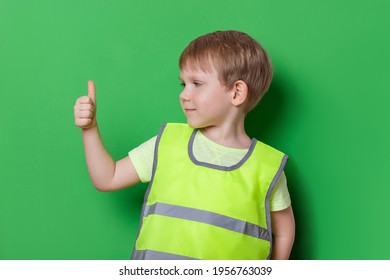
205 101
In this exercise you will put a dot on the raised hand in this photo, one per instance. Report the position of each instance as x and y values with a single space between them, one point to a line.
85 108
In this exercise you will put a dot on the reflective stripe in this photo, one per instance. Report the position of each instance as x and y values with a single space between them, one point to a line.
207 217
155 255
268 199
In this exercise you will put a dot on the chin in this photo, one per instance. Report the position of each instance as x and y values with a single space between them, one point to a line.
195 125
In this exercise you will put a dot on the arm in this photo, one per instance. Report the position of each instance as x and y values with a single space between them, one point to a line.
106 175
283 228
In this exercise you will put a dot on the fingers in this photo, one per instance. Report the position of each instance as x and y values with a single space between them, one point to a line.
84 100
85 107
84 114
83 123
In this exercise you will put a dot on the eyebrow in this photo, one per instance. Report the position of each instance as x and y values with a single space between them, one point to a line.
192 77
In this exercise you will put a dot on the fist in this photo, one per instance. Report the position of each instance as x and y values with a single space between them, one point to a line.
85 108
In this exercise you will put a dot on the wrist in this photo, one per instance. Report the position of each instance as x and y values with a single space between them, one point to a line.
92 129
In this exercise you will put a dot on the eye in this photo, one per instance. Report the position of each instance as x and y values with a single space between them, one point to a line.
197 84
182 84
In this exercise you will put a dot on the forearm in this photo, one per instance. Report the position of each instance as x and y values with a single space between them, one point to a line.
282 247
101 166
283 227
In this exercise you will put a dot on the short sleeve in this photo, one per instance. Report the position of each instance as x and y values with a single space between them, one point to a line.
142 159
280 197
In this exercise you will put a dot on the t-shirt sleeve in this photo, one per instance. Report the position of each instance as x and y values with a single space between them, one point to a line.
280 197
142 159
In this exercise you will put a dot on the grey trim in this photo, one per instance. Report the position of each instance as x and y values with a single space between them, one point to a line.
214 166
268 199
150 183
207 217
155 255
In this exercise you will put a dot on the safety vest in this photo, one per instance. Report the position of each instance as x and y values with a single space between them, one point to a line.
197 210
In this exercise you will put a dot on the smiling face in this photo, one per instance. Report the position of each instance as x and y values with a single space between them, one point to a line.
204 100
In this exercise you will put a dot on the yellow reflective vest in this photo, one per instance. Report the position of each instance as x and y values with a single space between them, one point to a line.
197 210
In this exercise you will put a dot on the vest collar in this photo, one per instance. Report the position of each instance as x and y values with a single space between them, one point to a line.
215 166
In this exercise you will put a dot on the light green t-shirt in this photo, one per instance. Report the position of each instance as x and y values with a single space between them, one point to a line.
206 150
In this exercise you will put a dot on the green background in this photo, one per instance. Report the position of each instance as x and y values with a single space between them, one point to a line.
327 108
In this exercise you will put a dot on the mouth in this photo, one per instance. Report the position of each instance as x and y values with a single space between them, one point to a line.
188 110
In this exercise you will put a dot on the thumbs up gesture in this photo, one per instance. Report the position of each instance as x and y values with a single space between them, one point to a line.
85 108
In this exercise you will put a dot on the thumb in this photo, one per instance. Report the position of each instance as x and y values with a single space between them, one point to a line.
92 91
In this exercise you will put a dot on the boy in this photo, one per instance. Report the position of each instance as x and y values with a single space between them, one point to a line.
214 193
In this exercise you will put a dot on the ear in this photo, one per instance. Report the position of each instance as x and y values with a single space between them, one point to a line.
240 93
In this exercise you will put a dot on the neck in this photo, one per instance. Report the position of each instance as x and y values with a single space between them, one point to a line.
229 134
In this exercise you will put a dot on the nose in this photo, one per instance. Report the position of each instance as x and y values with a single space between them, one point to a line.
184 96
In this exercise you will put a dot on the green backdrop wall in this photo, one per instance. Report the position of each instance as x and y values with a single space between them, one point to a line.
327 108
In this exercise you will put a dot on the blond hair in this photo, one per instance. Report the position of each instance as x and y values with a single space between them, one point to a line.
236 56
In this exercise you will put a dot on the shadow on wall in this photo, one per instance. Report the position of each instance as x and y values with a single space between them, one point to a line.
263 124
